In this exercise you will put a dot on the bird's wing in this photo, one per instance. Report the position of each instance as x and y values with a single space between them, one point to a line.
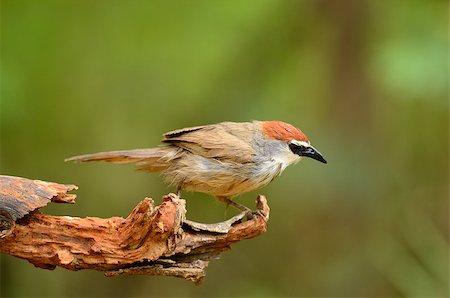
227 141
179 132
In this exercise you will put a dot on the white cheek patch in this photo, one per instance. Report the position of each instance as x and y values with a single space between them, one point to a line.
286 158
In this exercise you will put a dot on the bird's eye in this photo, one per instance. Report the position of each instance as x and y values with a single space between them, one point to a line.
294 147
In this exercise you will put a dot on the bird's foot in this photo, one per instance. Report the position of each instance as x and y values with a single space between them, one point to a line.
248 214
222 227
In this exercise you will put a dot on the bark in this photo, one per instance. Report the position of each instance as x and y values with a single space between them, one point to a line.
152 240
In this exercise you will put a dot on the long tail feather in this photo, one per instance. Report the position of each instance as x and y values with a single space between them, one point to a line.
146 159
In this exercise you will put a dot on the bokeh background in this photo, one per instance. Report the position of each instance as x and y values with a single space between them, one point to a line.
366 80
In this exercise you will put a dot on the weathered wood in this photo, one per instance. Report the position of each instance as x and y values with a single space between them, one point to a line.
151 240
20 196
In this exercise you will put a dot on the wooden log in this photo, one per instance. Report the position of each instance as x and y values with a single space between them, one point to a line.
152 240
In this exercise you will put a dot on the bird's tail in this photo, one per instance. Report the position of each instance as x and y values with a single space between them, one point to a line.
152 159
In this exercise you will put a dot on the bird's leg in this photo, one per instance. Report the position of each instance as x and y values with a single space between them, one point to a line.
221 227
238 206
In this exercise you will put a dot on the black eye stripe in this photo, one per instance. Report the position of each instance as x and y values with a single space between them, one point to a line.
295 148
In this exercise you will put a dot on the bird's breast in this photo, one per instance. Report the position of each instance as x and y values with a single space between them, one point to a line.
208 175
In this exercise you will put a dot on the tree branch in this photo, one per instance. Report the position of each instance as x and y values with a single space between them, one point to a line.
150 241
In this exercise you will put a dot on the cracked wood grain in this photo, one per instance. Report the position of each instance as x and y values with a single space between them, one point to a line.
152 240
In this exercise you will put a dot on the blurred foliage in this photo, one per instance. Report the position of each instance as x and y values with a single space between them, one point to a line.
366 80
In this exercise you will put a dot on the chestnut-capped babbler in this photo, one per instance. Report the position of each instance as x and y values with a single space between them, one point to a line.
224 159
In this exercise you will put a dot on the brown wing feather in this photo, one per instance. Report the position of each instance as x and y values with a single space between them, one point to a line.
179 132
225 141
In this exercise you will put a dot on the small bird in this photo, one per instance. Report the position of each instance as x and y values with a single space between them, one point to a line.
224 159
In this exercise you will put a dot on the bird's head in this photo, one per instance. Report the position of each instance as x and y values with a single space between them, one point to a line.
296 140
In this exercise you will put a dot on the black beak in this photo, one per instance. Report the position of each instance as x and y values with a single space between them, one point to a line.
310 152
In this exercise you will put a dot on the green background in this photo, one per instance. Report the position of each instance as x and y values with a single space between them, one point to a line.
365 80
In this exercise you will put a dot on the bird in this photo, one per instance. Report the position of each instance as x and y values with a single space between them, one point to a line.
224 159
